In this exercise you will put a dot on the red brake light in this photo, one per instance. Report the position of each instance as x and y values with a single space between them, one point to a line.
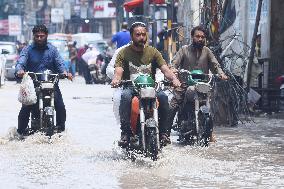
279 79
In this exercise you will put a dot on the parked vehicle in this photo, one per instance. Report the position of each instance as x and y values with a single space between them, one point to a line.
194 122
86 38
3 54
144 118
100 45
98 71
61 46
11 58
44 86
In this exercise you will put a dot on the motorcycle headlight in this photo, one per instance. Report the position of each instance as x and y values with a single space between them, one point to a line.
148 92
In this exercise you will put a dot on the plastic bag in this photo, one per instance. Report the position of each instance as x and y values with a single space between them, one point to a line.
27 94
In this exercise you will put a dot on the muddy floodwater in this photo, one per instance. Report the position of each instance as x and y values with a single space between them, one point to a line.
86 155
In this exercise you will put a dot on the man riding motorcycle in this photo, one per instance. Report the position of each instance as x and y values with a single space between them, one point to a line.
135 58
38 57
195 56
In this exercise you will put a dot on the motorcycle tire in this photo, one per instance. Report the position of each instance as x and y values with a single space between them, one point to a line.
187 130
151 140
49 125
205 129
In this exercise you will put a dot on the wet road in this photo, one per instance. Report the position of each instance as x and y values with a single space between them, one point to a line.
85 156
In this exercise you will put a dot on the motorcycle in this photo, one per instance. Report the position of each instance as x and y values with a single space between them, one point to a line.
96 74
44 86
144 117
194 121
98 70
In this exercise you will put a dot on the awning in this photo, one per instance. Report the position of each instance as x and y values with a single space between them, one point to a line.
129 6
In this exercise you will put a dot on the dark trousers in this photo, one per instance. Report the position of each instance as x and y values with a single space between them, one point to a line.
24 115
125 110
86 72
79 66
182 95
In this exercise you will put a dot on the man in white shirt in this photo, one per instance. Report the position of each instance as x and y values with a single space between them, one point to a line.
117 91
88 57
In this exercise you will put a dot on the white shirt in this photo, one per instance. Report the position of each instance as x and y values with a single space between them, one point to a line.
110 68
90 55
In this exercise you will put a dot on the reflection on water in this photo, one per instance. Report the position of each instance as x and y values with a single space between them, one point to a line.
248 156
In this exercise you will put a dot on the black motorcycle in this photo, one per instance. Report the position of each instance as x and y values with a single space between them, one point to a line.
194 121
45 86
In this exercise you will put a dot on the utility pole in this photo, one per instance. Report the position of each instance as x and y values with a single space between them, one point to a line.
170 15
146 9
119 13
252 50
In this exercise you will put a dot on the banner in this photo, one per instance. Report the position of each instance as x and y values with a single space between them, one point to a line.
57 15
4 27
229 15
103 10
15 25
67 11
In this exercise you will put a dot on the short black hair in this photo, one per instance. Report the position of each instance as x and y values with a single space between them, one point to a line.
124 25
136 24
40 28
199 28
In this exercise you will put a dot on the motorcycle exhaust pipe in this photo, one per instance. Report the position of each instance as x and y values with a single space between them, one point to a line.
142 121
196 113
155 115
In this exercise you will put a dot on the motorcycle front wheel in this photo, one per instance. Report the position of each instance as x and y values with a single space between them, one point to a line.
151 139
205 129
49 122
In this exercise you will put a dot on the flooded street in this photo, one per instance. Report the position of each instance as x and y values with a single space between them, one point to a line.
86 156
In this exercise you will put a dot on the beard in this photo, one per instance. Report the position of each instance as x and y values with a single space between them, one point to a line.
198 45
139 43
41 45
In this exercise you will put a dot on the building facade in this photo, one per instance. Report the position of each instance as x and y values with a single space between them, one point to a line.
60 16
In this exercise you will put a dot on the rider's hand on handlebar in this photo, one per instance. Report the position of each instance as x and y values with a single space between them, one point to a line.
20 73
115 82
68 75
176 82
223 76
174 70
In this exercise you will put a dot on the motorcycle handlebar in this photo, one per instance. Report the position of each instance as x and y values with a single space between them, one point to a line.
125 83
193 74
54 77
209 77
60 75
167 83
129 83
186 71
